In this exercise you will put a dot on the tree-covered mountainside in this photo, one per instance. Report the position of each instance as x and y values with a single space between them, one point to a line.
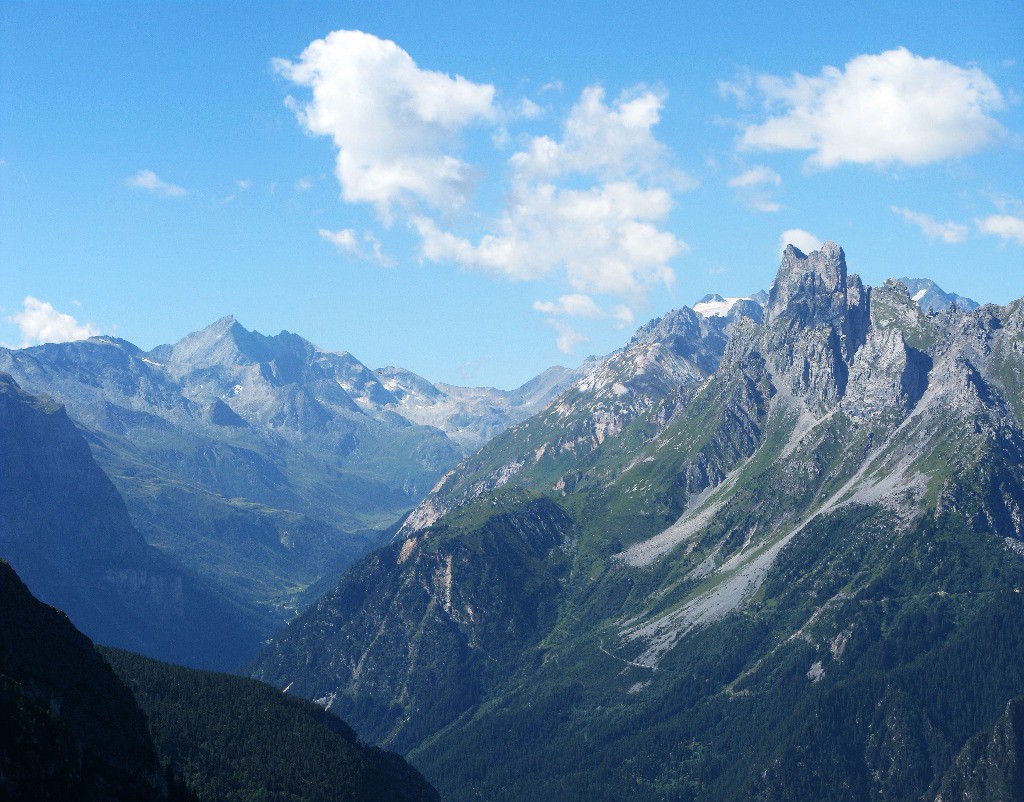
794 571
235 738
69 728
65 529
990 767
265 463
73 729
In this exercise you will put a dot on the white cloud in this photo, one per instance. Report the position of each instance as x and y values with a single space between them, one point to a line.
612 142
243 184
755 177
751 185
605 238
1005 202
568 337
802 240
623 315
575 305
303 184
1003 225
948 232
394 124
879 109
150 181
41 323
344 239
367 248
583 306
529 109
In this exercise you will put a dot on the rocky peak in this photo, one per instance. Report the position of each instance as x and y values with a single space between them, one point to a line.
816 318
809 287
678 323
225 342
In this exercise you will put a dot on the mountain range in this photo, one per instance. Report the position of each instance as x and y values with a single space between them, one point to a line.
763 553
772 548
259 465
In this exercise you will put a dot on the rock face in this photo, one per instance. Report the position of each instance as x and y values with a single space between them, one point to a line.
783 560
264 463
66 530
818 318
71 730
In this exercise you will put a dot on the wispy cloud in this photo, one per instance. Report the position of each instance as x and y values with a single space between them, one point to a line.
40 323
568 337
1008 227
949 232
575 305
752 187
756 177
151 182
366 247
879 109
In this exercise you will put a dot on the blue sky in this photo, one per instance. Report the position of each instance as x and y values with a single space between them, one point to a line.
478 191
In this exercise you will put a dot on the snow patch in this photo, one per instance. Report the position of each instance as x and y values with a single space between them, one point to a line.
717 308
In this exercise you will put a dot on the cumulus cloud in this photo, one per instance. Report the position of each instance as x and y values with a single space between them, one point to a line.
41 323
610 141
604 238
588 205
1007 226
366 247
151 182
802 240
394 124
879 109
948 232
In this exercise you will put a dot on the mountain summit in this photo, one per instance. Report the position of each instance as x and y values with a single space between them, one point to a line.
262 463
775 559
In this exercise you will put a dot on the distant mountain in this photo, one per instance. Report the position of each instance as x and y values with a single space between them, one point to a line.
264 463
71 729
66 530
473 415
930 296
774 559
715 305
